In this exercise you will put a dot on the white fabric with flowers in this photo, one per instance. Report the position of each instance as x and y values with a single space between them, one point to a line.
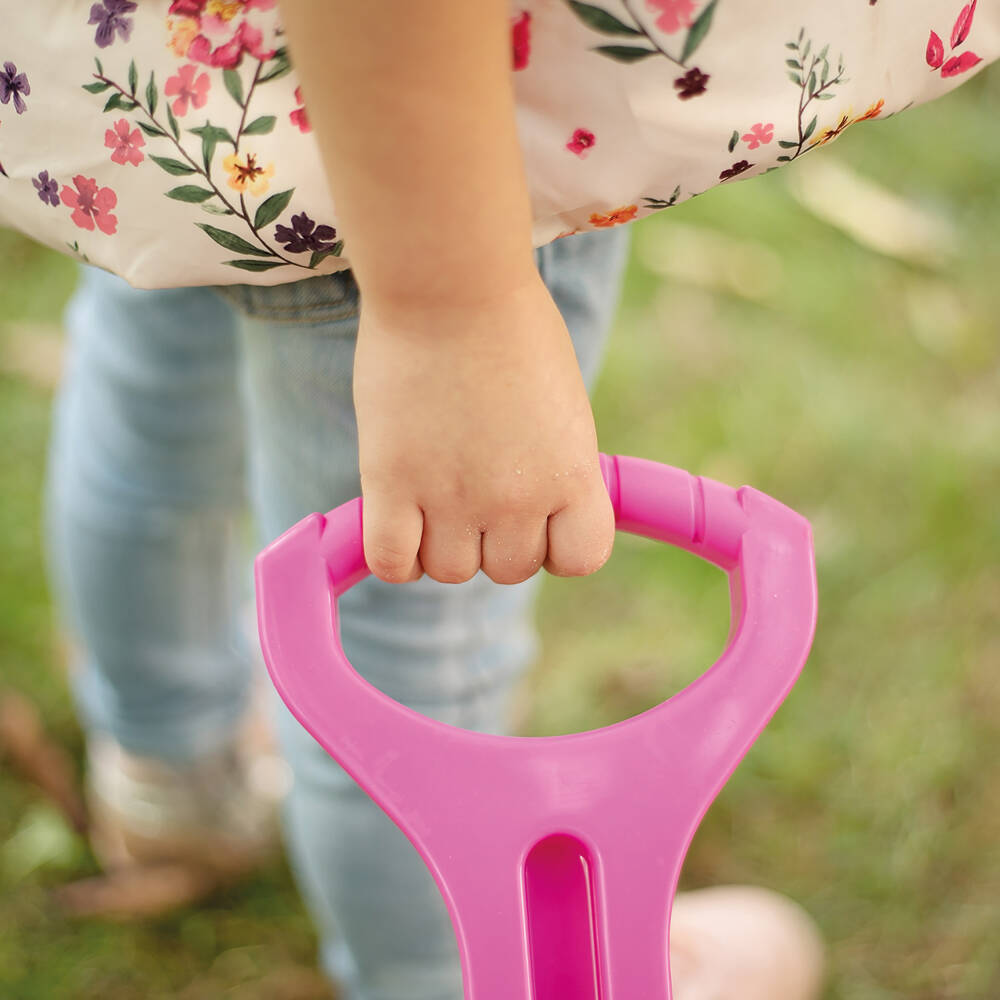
168 141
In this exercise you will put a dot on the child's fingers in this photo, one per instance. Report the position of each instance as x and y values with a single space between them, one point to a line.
391 533
450 550
581 536
514 550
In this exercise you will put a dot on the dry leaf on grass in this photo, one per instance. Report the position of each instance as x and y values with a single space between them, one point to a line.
135 893
40 760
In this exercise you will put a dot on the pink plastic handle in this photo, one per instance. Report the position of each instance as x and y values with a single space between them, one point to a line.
558 857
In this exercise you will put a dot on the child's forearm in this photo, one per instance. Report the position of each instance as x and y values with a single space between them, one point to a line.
413 109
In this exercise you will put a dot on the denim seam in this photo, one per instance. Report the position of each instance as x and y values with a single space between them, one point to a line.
295 314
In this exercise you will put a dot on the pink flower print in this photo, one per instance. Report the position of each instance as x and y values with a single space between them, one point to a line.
581 142
963 23
674 14
759 135
935 51
521 39
959 64
187 88
300 116
91 204
125 143
225 30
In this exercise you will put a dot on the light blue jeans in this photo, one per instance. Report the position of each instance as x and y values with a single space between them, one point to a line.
175 407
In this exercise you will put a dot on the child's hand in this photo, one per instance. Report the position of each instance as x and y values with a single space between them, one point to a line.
477 443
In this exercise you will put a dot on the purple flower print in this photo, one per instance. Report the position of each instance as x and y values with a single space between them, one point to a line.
305 235
13 84
47 188
691 84
735 170
109 16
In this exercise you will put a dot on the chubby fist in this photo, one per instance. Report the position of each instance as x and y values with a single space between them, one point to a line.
477 442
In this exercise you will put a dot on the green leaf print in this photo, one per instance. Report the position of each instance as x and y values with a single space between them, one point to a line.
280 66
810 128
698 31
97 87
172 166
270 209
260 126
173 122
255 265
600 20
190 193
234 85
232 242
733 139
152 130
625 53
133 78
151 95
211 136
118 101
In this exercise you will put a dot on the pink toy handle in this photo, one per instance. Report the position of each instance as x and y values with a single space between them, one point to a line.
764 547
649 498
549 792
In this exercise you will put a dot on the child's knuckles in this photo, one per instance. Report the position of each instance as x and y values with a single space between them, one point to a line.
500 571
389 562
578 547
450 572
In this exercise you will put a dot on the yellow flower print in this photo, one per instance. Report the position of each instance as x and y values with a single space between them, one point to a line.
624 214
829 134
183 31
245 174
226 10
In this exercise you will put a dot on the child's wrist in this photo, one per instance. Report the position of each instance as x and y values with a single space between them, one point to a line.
475 285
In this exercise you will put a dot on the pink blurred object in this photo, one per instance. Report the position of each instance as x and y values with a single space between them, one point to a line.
558 857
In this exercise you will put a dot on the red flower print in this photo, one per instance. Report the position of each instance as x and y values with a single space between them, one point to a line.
959 33
230 55
963 23
935 51
125 143
759 134
873 112
189 8
220 32
674 14
582 141
521 39
959 64
300 116
91 204
187 88
616 218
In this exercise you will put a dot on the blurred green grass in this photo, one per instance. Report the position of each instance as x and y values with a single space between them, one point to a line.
859 388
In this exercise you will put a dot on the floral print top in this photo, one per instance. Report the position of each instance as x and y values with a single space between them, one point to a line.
169 141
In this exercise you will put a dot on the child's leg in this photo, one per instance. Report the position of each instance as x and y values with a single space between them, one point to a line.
145 489
453 652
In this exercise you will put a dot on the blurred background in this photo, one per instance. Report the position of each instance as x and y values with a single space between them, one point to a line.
828 334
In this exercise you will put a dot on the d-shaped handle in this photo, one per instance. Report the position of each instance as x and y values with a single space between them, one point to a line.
763 546
430 778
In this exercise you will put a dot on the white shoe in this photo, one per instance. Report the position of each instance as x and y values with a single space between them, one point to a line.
219 812
743 943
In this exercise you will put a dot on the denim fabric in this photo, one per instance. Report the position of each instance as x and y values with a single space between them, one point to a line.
176 407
